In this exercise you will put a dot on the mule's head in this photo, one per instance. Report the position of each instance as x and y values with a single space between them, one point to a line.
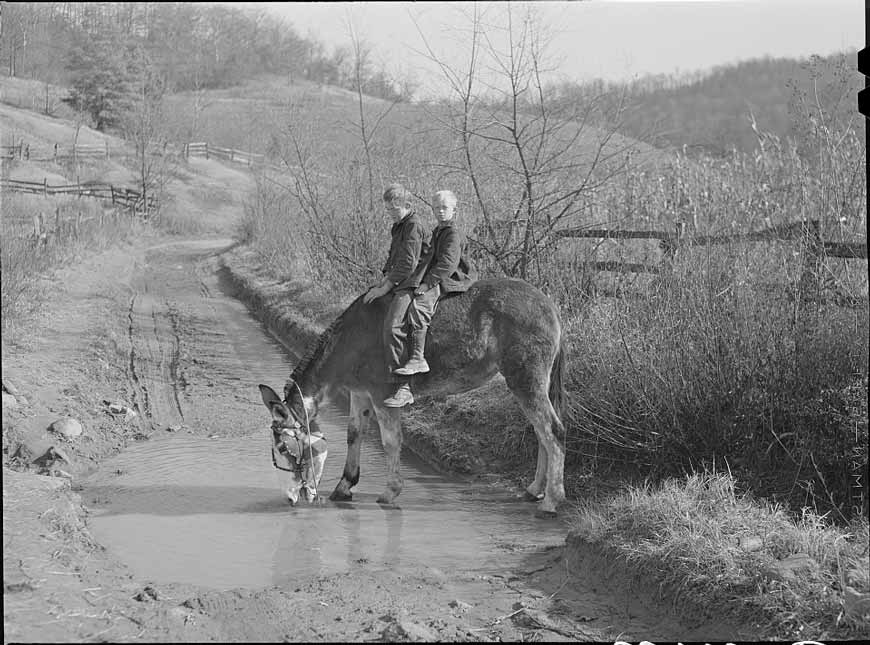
297 445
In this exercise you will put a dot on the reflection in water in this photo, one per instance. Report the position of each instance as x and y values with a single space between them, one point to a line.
221 519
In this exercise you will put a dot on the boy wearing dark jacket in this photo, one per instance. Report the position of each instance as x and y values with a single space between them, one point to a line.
406 246
441 270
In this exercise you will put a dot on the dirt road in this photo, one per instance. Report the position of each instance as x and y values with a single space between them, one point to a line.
151 327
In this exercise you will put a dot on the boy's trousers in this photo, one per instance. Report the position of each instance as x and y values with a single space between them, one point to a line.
417 312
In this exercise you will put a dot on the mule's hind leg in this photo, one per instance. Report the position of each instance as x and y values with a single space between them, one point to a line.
360 418
531 392
550 432
555 434
535 490
390 421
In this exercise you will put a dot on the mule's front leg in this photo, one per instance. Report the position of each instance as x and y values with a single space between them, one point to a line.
390 420
294 486
360 417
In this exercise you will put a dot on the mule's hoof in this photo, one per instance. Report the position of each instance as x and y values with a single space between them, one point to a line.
340 497
545 515
528 497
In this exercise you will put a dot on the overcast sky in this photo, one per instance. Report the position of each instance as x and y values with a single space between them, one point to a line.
610 39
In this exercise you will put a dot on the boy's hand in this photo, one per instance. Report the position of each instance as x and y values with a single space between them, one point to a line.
376 292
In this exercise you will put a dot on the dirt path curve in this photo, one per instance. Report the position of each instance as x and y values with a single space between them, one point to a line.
144 325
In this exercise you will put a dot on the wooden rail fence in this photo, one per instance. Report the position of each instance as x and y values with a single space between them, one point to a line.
670 242
806 231
250 159
24 151
27 152
207 150
122 196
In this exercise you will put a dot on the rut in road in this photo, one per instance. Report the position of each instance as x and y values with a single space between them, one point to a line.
154 361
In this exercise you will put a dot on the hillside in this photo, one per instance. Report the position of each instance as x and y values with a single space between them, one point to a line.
45 130
41 133
712 114
257 114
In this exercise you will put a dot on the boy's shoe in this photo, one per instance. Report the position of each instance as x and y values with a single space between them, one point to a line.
413 366
401 398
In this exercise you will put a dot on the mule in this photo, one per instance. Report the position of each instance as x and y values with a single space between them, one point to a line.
499 325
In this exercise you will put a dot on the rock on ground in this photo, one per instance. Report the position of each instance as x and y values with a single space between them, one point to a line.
67 427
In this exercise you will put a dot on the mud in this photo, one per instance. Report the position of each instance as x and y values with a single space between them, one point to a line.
171 526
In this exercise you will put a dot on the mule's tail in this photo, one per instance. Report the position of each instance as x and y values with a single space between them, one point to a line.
557 389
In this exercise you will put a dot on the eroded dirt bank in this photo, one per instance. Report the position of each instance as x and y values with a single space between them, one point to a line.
144 326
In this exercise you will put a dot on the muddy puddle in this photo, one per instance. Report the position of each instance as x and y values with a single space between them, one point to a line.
210 510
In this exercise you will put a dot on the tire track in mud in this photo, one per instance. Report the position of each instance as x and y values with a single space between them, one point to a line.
140 392
154 356
181 352
175 371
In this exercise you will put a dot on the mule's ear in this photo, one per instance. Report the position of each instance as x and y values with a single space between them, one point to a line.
274 403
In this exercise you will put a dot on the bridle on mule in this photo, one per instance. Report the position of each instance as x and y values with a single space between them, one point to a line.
297 457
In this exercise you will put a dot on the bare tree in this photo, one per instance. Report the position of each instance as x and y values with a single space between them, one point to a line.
366 128
144 127
16 33
529 164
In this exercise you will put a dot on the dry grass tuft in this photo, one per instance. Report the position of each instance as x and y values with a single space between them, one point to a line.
705 541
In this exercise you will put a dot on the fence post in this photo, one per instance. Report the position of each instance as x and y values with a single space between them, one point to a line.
45 186
107 148
669 245
813 250
206 149
55 153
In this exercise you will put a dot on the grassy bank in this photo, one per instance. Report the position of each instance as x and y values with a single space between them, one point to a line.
700 544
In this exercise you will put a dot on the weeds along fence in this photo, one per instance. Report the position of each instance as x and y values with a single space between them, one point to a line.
34 240
119 196
68 226
26 152
807 232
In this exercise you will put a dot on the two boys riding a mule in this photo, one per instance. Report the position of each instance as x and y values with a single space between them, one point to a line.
457 343
417 273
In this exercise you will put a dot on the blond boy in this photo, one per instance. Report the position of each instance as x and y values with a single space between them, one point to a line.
442 269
